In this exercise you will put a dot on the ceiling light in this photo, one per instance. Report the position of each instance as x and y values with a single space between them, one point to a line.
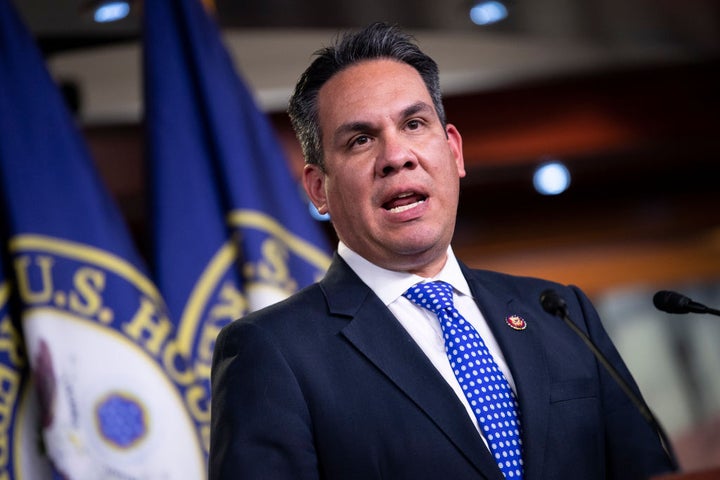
111 11
551 178
486 13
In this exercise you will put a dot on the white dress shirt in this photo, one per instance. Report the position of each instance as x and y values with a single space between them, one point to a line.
422 324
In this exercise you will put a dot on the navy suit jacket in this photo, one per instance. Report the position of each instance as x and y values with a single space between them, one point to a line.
328 385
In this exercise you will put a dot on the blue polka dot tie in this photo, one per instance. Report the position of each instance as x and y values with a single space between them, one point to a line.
486 388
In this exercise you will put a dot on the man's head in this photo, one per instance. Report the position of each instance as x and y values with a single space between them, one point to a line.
378 40
391 166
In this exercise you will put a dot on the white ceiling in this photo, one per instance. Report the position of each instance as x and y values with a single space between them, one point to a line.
272 41
693 24
690 24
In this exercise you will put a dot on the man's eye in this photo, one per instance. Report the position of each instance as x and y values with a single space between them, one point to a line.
413 124
360 140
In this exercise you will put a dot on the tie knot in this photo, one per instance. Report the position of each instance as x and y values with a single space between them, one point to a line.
434 296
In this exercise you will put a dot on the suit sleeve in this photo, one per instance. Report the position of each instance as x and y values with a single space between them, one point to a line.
633 449
260 425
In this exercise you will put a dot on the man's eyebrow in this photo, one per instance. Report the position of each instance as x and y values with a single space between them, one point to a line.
351 127
360 126
415 108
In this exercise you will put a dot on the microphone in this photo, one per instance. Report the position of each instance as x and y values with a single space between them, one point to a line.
673 302
555 305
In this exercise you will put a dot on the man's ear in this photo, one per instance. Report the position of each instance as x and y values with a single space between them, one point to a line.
314 183
455 142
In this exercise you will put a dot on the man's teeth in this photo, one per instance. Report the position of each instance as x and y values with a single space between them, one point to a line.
403 208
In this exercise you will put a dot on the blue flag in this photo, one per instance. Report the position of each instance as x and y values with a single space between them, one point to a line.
111 385
18 412
232 232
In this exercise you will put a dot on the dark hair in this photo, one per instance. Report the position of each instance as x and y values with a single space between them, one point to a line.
377 40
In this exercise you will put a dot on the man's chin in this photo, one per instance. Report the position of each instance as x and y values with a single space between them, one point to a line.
416 257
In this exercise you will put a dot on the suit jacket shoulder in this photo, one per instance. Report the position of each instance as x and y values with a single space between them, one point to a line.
328 384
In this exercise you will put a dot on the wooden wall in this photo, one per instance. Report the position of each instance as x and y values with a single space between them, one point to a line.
643 147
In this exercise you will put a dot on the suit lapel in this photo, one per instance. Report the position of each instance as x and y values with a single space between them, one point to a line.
375 332
525 358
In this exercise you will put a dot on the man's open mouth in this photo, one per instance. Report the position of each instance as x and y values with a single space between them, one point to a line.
404 201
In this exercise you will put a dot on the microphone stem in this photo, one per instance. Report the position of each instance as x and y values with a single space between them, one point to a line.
639 403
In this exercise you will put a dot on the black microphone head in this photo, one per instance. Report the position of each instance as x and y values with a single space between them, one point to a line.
671 302
553 303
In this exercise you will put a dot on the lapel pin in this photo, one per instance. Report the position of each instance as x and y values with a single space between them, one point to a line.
516 322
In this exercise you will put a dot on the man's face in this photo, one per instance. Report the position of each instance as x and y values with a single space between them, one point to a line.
391 180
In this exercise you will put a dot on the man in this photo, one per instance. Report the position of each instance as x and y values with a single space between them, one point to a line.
359 376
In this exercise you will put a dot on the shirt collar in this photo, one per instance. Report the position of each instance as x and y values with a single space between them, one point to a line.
389 285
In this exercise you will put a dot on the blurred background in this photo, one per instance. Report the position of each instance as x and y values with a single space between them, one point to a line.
621 96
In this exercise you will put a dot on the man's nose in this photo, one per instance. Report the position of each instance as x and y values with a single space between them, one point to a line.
395 154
